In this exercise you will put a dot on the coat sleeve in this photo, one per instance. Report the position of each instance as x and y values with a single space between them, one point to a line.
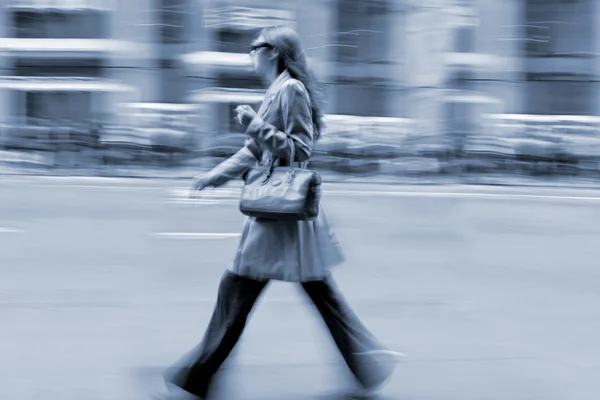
297 123
234 167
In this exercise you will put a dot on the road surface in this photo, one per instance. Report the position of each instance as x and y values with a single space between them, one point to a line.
493 292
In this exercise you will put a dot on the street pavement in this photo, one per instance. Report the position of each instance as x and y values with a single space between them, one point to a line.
492 292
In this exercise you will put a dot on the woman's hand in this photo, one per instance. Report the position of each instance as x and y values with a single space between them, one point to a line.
198 184
244 115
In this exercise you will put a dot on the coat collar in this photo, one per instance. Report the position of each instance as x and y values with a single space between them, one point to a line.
272 91
278 83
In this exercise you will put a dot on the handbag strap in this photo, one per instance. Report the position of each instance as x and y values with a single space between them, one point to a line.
303 164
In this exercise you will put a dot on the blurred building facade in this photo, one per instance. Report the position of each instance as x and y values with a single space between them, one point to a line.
443 62
56 61
434 60
83 60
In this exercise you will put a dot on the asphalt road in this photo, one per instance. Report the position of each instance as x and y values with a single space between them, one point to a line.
493 292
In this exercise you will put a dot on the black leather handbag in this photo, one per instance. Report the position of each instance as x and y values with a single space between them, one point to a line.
281 192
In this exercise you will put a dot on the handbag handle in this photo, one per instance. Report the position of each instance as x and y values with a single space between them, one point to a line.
291 171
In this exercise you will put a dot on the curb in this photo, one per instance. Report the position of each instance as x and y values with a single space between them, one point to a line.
424 180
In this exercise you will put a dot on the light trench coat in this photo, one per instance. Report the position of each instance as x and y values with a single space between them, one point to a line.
294 251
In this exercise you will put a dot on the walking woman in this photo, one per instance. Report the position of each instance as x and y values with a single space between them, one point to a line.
283 250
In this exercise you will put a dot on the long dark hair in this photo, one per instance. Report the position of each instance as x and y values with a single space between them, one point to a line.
292 58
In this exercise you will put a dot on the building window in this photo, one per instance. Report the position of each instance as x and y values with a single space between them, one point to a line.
174 15
560 97
348 90
240 81
238 26
92 68
361 28
556 28
559 46
60 24
43 107
231 40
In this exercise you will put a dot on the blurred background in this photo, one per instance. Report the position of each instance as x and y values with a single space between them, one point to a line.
415 86
461 167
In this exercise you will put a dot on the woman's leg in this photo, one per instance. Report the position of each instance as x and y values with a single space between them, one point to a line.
368 360
235 300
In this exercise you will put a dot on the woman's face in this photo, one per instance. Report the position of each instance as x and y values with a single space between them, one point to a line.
262 56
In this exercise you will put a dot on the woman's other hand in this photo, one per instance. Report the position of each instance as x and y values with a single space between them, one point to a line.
244 115
198 184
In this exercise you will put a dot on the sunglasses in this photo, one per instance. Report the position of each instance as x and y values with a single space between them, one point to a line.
257 46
